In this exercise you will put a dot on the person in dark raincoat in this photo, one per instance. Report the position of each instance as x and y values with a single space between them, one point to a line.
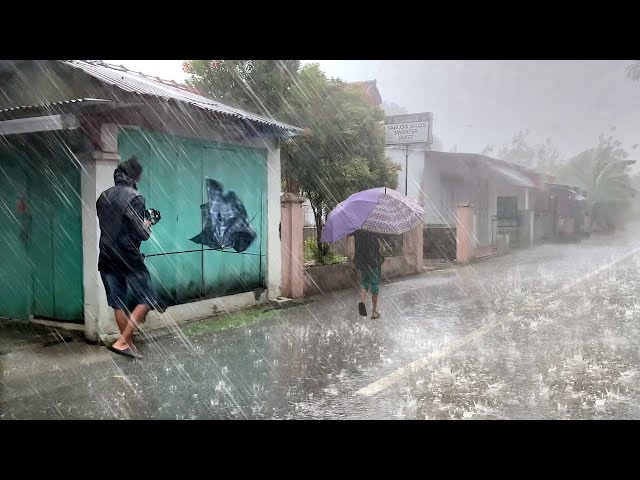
368 259
121 213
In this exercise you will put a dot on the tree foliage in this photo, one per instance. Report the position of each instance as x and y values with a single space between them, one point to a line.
604 172
391 108
633 70
544 157
342 148
260 86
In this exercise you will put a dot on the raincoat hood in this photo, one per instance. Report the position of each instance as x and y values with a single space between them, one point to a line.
120 178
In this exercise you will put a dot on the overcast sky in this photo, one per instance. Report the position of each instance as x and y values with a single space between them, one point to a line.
480 102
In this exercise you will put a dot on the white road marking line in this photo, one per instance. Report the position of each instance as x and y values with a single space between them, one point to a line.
394 377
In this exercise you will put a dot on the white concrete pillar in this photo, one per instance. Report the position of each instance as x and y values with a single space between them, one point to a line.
532 224
274 253
90 237
96 177
529 217
492 211
475 230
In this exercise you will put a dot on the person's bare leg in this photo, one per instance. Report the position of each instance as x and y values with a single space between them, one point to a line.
362 309
374 300
121 320
138 316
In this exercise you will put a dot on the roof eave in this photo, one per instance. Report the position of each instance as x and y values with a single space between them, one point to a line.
241 115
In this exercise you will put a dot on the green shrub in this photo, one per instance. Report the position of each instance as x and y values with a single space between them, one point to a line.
311 254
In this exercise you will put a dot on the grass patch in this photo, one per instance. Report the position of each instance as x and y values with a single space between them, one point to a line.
219 323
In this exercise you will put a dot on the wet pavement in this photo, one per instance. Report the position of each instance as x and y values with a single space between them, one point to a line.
545 333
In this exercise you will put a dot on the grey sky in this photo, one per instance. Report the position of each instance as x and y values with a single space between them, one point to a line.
480 102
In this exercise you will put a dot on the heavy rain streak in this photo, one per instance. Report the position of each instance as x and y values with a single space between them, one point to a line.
296 239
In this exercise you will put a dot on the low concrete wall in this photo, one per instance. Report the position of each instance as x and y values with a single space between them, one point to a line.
503 243
398 267
439 243
328 278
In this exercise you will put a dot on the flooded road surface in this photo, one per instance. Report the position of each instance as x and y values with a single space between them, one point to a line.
545 333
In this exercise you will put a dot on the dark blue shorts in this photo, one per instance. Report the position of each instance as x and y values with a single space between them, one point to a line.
138 285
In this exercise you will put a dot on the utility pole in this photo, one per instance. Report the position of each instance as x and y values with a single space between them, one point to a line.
408 129
406 170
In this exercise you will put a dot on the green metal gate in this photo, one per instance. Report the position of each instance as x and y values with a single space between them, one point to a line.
16 286
40 234
173 182
508 219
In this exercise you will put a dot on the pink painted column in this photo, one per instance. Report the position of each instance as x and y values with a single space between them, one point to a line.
412 248
292 228
464 234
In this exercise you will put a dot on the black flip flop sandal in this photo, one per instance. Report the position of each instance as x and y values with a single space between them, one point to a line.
362 309
127 352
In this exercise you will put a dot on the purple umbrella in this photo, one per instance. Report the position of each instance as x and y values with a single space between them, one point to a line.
379 210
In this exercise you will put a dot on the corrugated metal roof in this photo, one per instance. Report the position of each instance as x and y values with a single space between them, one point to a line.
76 101
146 85
513 176
511 172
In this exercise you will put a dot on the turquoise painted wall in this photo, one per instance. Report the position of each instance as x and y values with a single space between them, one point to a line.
40 233
173 182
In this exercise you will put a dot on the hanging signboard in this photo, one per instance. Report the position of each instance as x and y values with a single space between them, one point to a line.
409 128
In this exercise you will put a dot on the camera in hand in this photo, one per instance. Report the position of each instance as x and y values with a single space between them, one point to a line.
153 216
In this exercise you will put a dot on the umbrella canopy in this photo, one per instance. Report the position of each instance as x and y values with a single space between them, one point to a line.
379 210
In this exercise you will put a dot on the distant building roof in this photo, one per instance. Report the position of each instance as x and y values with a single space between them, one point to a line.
513 173
370 88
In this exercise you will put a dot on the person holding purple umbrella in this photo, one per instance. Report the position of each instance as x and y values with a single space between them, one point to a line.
371 213
368 259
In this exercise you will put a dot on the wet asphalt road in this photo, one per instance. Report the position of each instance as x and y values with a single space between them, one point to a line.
545 333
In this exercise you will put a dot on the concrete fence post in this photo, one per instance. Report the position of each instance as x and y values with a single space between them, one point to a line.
292 229
412 248
464 234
